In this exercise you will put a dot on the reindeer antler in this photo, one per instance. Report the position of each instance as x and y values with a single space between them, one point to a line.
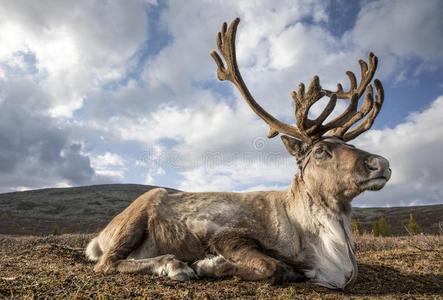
306 129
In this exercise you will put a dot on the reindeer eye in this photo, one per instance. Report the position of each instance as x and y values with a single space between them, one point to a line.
321 153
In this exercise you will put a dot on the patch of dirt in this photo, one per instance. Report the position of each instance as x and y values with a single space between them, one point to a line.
55 267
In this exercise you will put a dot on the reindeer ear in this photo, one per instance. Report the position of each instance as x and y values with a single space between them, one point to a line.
295 147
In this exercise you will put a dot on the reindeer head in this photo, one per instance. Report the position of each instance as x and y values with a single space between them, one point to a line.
327 164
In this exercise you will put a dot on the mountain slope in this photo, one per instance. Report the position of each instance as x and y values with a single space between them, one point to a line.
65 210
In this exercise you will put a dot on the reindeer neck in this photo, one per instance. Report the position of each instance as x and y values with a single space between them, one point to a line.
315 212
318 215
300 195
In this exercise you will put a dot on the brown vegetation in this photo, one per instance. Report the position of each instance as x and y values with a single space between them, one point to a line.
55 267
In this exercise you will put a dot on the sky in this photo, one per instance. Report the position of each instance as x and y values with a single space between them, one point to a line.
95 92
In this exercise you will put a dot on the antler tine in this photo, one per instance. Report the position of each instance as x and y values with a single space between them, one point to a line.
304 102
365 108
339 120
371 115
367 73
353 83
327 110
226 47
363 66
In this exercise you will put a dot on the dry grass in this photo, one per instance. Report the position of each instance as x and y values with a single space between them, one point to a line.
54 267
367 242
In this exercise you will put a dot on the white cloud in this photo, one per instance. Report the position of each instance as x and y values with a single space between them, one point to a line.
140 163
76 46
53 54
36 150
246 169
108 160
171 75
149 180
406 19
400 30
109 165
200 125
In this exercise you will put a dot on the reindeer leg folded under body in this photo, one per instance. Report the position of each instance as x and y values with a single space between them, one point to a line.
249 259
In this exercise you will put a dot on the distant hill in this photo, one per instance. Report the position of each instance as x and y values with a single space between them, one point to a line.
87 209
65 210
429 217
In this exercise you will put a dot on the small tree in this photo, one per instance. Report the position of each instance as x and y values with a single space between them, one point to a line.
56 230
381 227
412 226
356 227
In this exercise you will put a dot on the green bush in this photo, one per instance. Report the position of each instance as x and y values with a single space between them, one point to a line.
412 226
56 230
381 227
356 227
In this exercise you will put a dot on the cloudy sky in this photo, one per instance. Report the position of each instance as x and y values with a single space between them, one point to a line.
124 91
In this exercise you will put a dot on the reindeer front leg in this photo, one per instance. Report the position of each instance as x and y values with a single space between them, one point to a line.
249 258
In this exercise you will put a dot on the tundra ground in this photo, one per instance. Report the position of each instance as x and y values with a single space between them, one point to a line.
55 267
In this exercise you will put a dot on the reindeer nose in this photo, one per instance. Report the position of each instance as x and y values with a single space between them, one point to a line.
378 165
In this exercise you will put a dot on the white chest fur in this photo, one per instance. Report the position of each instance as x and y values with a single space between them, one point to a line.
331 254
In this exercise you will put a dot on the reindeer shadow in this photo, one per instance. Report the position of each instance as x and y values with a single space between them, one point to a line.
377 280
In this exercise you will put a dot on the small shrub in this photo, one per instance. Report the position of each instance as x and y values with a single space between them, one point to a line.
56 230
356 227
381 227
412 227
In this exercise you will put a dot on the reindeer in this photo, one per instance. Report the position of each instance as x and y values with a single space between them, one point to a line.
302 233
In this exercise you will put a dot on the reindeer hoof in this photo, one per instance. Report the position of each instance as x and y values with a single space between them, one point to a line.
185 274
104 268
